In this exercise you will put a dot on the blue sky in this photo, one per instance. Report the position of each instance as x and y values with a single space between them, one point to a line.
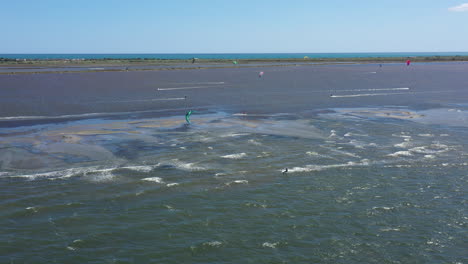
234 26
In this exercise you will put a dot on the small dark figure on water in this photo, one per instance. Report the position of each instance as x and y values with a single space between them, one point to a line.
285 170
193 60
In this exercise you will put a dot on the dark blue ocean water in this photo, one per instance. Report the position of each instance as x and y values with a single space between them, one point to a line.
228 55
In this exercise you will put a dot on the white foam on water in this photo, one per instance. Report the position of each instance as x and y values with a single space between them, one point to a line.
213 244
257 205
95 173
32 208
345 153
145 168
264 154
188 166
363 95
234 135
241 181
375 89
425 135
67 173
404 153
402 134
237 182
358 144
388 229
384 208
427 165
153 179
434 242
404 145
199 83
169 207
254 142
350 134
185 166
310 168
270 245
192 87
172 184
312 153
432 149
235 156
365 162
101 175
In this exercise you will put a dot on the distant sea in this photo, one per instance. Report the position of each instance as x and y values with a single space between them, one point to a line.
182 56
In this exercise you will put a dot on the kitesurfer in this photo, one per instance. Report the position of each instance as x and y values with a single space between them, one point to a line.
187 116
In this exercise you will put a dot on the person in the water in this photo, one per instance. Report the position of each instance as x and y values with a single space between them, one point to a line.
187 116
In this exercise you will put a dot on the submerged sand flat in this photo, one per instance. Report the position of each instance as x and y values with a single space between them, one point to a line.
381 113
101 141
439 116
97 141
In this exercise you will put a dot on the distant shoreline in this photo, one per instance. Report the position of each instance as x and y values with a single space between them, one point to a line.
238 62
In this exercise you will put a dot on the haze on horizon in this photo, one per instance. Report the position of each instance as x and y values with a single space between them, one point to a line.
210 26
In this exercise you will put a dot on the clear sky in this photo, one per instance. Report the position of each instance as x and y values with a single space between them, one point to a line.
232 26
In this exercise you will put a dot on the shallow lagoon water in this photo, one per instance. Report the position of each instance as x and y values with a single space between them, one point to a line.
364 185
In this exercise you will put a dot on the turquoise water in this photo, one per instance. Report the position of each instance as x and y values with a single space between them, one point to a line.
228 55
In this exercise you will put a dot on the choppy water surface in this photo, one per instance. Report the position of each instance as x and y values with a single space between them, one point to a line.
363 186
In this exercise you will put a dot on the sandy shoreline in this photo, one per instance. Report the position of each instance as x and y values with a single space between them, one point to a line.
17 66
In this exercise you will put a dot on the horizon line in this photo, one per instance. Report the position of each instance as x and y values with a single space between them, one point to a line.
241 52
